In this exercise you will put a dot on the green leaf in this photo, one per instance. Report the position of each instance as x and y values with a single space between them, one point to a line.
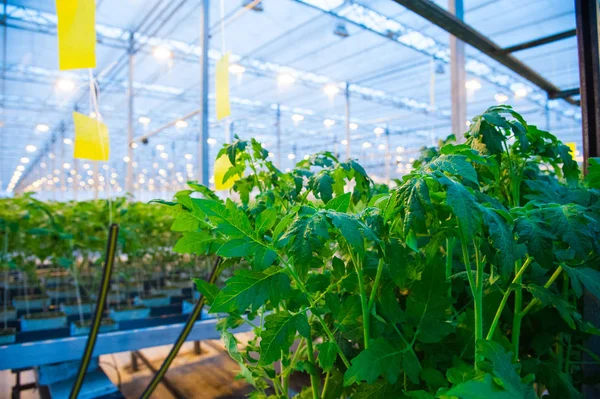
328 352
279 333
593 176
585 276
499 364
251 289
534 232
194 243
413 200
340 203
208 290
350 228
426 307
480 388
456 165
501 238
237 248
380 389
266 220
463 205
185 222
306 235
547 298
380 359
322 184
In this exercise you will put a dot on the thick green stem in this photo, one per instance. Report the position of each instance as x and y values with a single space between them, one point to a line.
536 301
325 384
505 298
516 328
315 382
376 283
449 251
478 302
363 305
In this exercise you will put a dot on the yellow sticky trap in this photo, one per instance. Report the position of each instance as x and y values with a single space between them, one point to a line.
76 34
222 165
91 138
572 148
222 87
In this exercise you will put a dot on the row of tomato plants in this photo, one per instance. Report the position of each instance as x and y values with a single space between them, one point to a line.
465 280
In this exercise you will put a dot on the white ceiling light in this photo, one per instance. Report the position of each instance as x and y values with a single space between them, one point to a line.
285 79
366 144
353 126
329 122
331 89
297 117
379 131
344 142
144 120
501 98
291 156
30 148
68 141
473 84
164 155
162 53
160 147
188 156
134 145
181 124
92 114
126 159
400 149
237 69
42 128
381 146
65 85
24 160
20 168
521 93
66 165
211 141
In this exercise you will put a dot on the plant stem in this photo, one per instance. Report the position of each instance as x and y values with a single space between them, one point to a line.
536 301
363 305
561 336
325 384
516 327
505 298
449 251
314 378
376 283
478 302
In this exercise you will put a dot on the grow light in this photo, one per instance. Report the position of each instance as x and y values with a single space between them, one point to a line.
353 126
30 148
181 124
42 128
329 122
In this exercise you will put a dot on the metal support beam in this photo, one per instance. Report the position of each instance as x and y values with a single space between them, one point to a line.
565 93
587 18
130 113
348 135
278 136
453 25
541 41
458 75
202 154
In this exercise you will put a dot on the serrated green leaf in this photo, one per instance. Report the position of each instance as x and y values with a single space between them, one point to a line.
251 289
589 278
456 165
194 243
328 352
593 173
340 203
208 290
266 220
381 358
278 334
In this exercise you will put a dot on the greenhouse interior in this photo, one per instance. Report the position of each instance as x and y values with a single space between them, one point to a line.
311 199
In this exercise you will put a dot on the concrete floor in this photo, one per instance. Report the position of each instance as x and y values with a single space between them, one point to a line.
210 375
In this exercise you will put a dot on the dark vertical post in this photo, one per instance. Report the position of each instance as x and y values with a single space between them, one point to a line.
202 139
586 12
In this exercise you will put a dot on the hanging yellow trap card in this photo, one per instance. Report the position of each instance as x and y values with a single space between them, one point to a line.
573 148
91 138
76 34
222 87
222 165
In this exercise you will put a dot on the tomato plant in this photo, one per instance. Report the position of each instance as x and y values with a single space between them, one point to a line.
464 281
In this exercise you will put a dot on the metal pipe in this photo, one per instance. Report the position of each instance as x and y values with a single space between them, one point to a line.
541 41
278 134
455 26
348 148
130 113
203 137
166 126
458 75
